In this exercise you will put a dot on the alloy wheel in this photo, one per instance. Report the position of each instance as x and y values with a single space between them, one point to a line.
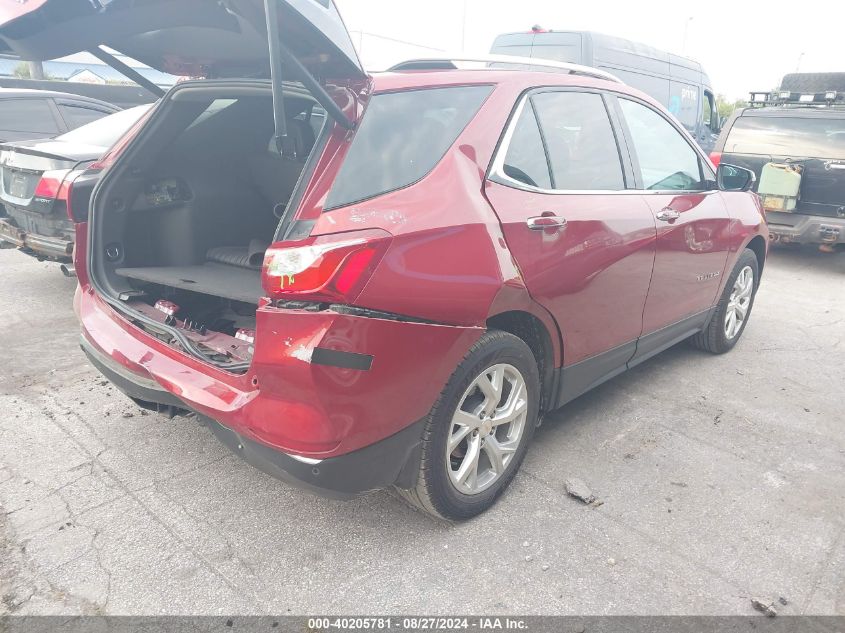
486 429
740 303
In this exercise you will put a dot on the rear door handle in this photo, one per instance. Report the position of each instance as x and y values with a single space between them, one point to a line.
543 222
668 215
832 165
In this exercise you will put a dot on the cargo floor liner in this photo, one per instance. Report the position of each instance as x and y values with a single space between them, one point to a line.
218 280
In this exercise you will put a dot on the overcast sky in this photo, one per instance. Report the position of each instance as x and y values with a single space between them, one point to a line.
743 45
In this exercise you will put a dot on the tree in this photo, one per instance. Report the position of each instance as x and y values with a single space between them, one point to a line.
726 107
22 71
30 70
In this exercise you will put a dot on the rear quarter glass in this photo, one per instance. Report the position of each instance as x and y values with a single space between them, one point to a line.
402 137
788 136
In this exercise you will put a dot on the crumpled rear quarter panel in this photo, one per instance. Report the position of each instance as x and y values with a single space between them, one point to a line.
411 363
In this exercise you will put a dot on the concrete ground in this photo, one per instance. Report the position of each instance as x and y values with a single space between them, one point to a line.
722 478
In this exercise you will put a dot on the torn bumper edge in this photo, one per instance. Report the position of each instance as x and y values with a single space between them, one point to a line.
392 461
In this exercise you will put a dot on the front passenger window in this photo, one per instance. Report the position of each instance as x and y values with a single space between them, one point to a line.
667 161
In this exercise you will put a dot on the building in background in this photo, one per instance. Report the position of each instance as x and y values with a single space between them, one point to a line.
85 68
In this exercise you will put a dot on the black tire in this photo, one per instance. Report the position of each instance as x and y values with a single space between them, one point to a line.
713 338
435 493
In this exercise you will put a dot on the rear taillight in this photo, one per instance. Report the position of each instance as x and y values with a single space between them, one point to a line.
55 186
50 184
715 158
326 268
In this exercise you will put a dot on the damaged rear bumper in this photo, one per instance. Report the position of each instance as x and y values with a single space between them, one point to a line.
332 403
805 229
392 461
38 245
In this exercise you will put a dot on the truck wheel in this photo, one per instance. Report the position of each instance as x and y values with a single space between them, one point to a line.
478 431
734 308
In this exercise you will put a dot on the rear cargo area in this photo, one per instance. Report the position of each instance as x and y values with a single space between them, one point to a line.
181 231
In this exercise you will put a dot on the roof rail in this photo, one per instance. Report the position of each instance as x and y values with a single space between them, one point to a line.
496 61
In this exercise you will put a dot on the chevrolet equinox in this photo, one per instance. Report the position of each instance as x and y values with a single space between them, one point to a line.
371 280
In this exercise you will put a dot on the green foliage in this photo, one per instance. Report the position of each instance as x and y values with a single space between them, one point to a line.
24 70
726 107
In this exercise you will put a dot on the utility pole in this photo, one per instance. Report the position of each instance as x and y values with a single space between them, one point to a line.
686 33
36 70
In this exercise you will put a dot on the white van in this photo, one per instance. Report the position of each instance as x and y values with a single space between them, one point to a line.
680 84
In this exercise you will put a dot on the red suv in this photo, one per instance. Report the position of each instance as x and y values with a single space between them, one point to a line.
369 281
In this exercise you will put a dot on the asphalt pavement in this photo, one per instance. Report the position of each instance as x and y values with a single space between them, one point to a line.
718 478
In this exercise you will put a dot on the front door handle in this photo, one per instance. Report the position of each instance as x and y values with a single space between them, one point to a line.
833 165
543 222
668 215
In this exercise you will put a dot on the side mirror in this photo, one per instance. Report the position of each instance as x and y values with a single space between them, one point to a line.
733 178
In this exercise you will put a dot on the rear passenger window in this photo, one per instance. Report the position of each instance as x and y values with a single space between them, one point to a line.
526 161
27 115
76 116
667 161
579 138
402 137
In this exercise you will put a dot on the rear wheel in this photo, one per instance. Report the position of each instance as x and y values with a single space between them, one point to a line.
478 431
734 308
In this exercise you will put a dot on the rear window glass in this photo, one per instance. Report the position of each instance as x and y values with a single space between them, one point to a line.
106 131
402 137
788 136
